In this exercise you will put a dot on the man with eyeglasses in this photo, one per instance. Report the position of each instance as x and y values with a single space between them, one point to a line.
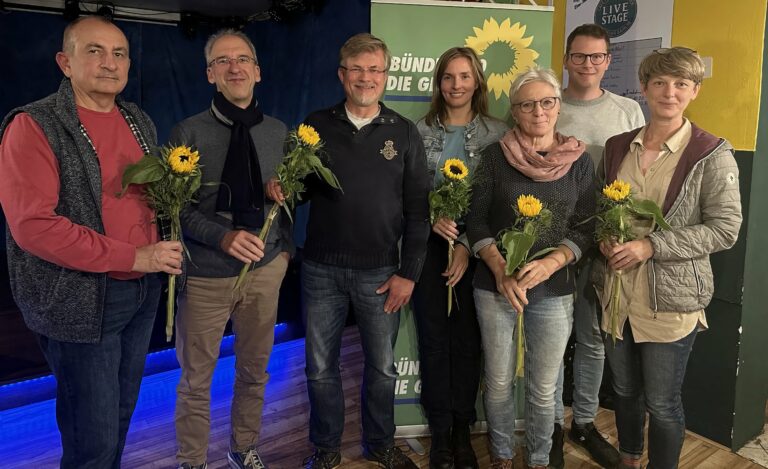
240 147
591 114
80 258
353 255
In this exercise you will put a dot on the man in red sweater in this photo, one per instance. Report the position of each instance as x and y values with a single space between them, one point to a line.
81 260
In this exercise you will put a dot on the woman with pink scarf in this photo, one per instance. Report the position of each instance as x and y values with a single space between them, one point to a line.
531 159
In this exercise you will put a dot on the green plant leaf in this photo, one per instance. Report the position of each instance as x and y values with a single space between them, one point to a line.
329 177
288 212
146 170
649 209
516 245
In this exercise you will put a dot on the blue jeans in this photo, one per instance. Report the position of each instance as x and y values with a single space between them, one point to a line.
98 384
328 292
547 324
649 376
589 356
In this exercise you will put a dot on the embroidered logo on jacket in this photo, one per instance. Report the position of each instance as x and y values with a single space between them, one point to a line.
388 151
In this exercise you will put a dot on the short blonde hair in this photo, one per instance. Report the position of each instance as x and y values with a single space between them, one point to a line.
679 62
363 42
531 75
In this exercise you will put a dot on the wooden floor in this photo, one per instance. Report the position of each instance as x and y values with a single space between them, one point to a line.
30 439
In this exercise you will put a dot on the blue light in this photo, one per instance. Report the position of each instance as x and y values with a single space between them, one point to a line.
43 388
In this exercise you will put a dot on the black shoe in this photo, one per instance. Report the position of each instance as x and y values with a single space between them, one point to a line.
599 449
323 460
389 458
556 460
463 454
440 452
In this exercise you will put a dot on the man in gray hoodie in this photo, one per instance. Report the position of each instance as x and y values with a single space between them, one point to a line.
239 148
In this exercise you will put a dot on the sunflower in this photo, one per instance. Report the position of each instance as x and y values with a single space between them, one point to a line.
506 45
182 159
529 206
455 169
617 191
308 135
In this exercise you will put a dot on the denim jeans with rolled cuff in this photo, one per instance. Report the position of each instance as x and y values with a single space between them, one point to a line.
547 324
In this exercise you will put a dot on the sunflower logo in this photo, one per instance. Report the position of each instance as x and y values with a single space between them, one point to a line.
506 50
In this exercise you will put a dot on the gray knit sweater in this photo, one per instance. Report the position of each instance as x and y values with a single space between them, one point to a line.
202 226
57 302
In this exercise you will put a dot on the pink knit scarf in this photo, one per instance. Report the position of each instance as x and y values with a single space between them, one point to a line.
557 163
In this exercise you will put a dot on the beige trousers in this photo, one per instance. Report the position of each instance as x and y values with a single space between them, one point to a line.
204 309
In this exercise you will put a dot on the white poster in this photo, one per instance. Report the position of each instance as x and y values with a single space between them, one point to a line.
636 29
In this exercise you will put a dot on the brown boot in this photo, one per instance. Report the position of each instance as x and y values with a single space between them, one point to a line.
501 463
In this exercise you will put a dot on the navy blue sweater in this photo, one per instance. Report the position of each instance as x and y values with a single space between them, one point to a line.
382 169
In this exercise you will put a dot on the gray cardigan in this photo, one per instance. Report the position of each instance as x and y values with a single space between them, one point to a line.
57 302
202 226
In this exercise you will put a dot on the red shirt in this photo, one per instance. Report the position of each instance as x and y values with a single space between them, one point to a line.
29 194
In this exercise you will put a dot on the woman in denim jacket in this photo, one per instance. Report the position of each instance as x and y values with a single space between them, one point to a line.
457 126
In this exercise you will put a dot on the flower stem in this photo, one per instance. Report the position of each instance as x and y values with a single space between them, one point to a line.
520 356
170 305
616 289
263 236
450 288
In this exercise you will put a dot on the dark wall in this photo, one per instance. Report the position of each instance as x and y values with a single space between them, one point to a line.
167 78
752 380
709 387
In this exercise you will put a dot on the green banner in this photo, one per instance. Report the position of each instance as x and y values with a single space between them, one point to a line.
508 39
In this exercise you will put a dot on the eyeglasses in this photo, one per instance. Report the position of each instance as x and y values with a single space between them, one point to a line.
545 103
667 50
597 58
227 61
359 70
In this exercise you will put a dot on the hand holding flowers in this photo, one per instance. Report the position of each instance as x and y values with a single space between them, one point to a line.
287 188
170 181
617 208
515 243
448 202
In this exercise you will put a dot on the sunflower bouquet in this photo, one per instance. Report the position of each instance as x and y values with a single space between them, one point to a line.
515 244
170 182
450 199
301 160
616 209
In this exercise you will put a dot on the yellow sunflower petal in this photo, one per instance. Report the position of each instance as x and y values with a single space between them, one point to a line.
617 191
513 36
308 135
455 169
529 206
182 159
